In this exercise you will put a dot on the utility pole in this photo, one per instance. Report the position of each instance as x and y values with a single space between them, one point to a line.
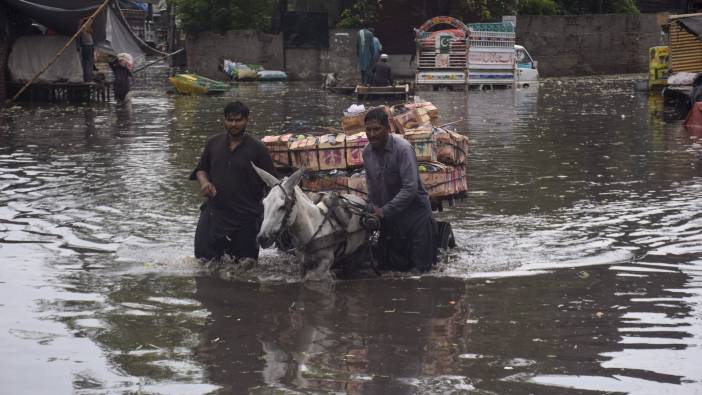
171 30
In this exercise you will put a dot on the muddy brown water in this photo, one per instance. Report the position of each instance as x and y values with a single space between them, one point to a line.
579 267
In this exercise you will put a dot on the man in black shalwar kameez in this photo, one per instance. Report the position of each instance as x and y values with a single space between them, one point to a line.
231 218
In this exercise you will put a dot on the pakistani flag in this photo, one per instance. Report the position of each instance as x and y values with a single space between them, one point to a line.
443 43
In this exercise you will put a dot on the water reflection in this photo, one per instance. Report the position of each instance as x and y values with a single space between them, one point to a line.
443 335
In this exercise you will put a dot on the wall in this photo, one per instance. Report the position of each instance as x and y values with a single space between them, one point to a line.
590 44
207 50
563 45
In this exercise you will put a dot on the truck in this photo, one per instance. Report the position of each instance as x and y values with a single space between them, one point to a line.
453 54
442 53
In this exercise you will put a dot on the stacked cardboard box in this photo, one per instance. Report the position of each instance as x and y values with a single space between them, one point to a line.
279 148
332 161
442 180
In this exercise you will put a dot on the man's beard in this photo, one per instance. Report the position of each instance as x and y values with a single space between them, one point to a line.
236 135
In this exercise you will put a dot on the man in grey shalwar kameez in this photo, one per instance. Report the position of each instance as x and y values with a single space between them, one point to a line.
408 231
364 53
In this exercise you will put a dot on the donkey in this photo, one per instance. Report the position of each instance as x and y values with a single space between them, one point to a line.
318 235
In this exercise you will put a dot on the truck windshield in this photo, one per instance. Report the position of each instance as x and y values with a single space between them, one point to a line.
523 58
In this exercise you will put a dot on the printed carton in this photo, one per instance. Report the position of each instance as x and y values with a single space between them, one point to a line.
352 124
357 184
332 151
279 148
424 142
305 154
442 180
325 181
354 149
452 147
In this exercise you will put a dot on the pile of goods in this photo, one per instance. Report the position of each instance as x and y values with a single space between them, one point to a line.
250 72
334 162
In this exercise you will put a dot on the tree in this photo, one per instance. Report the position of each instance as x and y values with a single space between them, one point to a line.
537 7
490 10
362 11
482 10
222 15
597 6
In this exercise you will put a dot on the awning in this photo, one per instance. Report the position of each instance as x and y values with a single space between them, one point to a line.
692 24
111 31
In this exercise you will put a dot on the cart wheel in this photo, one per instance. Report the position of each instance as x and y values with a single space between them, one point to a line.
446 238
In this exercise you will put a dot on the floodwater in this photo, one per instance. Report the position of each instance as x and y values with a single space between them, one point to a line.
579 267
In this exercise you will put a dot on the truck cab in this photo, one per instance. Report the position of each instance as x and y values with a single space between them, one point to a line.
527 67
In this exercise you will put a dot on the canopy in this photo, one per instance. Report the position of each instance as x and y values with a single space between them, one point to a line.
693 24
111 31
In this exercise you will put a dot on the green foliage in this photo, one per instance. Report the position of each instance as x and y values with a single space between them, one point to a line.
221 15
598 6
470 11
490 10
537 7
361 11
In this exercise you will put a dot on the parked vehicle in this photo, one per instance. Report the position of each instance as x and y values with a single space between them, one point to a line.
450 53
442 54
527 68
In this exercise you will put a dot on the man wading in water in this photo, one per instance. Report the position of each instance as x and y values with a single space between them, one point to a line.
231 217
408 233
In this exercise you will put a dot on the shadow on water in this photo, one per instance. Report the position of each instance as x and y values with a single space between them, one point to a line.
578 268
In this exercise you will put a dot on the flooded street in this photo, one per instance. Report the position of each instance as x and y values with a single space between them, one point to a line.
579 267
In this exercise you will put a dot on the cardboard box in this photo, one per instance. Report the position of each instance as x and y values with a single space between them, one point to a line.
423 115
354 149
452 147
357 184
409 119
459 180
325 181
279 148
332 151
442 180
424 142
430 109
305 154
352 124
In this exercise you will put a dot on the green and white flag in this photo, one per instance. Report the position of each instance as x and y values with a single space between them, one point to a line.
443 43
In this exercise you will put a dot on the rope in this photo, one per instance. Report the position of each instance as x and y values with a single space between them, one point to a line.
158 60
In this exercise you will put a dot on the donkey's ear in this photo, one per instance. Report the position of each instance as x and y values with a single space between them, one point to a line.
267 177
294 179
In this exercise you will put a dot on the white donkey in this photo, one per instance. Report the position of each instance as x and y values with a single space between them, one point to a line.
318 235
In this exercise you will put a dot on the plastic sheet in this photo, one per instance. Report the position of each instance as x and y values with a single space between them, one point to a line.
30 54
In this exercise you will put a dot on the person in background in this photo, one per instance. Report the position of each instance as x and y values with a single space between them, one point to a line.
231 217
377 47
121 67
382 73
86 46
364 53
408 233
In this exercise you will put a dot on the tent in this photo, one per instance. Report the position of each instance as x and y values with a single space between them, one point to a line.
111 31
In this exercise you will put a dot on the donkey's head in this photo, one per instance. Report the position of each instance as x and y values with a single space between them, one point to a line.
279 209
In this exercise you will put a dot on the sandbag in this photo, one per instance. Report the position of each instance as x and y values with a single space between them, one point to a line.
272 75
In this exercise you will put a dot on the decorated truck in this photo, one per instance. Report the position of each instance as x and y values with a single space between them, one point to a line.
491 54
450 53
442 53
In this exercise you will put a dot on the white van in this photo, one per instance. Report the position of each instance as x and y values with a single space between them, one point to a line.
527 68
